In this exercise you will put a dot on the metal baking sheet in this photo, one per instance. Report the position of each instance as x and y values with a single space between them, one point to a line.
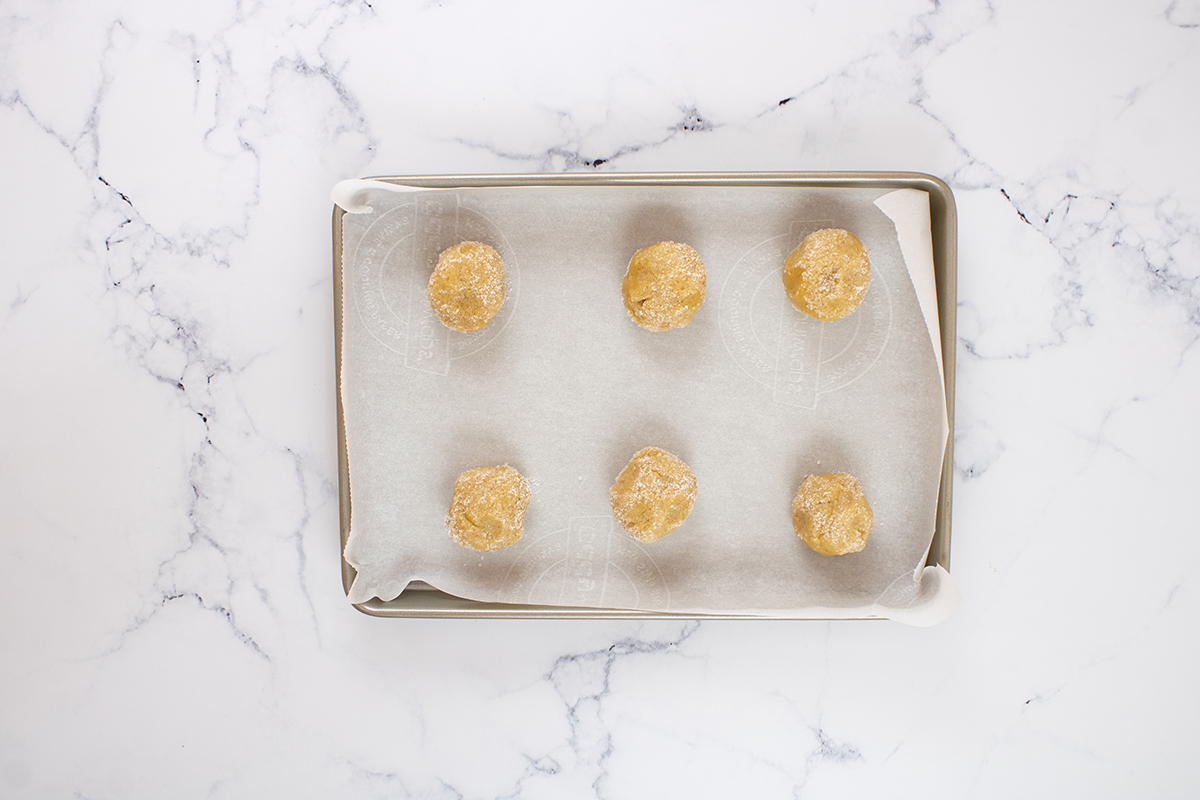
422 600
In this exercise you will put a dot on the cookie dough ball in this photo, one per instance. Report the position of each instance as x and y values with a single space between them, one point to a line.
466 288
831 515
653 494
487 511
827 276
663 286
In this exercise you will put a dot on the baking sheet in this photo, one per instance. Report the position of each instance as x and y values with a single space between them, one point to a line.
564 387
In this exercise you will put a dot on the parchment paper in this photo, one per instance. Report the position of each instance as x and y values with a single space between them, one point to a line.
564 387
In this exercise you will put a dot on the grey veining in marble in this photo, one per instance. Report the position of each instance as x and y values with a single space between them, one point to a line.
172 621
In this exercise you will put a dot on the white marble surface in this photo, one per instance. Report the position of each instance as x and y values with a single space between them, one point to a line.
172 621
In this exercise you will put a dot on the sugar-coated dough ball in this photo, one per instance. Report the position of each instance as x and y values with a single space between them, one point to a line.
487 511
663 286
827 276
466 288
653 494
831 515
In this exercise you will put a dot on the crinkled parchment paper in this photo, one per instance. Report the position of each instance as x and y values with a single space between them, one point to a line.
564 387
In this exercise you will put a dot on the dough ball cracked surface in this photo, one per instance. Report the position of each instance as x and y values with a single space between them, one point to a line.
827 275
663 286
466 288
653 494
487 510
831 514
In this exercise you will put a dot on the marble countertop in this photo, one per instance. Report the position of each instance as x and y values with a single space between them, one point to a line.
172 619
